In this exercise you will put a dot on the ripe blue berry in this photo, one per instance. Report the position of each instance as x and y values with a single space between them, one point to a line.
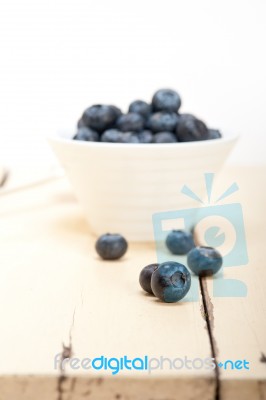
137 137
100 117
111 246
129 137
140 107
163 122
116 136
80 123
145 277
86 134
112 136
204 261
171 281
116 110
214 134
179 242
131 122
145 136
164 137
189 128
166 100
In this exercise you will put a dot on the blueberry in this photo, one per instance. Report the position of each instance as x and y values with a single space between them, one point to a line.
147 123
111 246
112 136
204 261
145 277
164 137
171 281
140 107
190 128
129 137
145 136
116 136
117 111
100 117
86 134
130 122
179 242
80 123
137 137
166 100
163 121
214 134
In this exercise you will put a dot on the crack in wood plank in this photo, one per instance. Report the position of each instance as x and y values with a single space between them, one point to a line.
208 315
262 389
59 388
67 352
72 387
208 311
263 358
4 178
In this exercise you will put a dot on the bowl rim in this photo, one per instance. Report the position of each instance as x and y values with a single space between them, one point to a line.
60 137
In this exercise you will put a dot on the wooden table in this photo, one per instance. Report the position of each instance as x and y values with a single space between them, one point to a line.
57 296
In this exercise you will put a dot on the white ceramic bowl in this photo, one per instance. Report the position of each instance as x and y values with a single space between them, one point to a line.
120 186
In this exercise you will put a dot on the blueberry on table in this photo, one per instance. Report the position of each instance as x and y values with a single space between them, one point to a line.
87 134
164 137
100 117
189 129
145 277
179 242
112 136
166 100
140 107
204 261
111 246
163 121
131 122
171 281
214 134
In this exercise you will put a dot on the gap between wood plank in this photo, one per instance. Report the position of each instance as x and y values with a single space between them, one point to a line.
209 318
67 352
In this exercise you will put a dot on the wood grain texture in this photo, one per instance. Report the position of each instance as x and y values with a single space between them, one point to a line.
239 323
55 291
81 388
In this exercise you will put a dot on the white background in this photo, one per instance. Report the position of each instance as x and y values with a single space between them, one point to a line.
58 57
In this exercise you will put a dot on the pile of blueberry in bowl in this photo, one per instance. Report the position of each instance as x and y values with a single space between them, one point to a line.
157 122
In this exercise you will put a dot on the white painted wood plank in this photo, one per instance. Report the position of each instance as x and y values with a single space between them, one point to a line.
240 323
49 270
